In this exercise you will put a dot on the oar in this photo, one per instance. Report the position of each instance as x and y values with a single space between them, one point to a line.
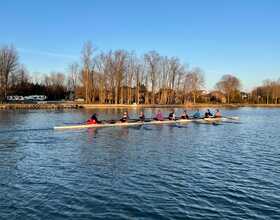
109 121
72 123
231 118
116 121
202 121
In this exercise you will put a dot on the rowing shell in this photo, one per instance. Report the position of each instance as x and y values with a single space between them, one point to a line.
123 124
126 124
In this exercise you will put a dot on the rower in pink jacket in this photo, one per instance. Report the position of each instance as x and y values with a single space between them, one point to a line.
159 116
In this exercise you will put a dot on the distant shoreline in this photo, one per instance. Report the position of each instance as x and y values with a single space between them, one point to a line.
73 105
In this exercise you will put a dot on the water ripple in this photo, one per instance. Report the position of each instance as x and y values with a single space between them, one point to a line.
193 171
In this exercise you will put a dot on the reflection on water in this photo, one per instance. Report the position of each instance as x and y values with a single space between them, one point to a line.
197 171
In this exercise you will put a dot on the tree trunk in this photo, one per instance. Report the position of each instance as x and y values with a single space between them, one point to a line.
153 97
86 86
267 97
129 95
146 97
138 94
122 95
116 95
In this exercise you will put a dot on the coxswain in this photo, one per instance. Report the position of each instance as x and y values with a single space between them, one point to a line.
125 117
172 115
218 114
208 114
142 116
93 119
196 114
159 116
184 115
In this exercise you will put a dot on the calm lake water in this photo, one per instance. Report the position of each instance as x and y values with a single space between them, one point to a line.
194 171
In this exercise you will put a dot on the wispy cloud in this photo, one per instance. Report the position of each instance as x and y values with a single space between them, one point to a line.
48 53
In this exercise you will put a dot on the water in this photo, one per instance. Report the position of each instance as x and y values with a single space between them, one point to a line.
194 171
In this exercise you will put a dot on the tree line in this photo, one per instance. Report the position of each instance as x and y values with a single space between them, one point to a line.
268 93
123 77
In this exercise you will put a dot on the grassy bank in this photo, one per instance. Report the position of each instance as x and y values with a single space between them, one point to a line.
73 105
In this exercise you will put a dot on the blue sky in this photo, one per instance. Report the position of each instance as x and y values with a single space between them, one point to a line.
241 37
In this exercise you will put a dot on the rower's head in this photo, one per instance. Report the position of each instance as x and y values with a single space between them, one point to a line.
125 113
217 110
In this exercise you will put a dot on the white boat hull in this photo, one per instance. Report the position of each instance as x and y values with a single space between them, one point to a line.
126 124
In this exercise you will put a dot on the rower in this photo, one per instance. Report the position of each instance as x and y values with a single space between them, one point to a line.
93 119
141 116
125 117
208 114
184 115
172 115
217 114
196 114
159 116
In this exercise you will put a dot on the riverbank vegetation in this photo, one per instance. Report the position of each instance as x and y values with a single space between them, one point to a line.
122 77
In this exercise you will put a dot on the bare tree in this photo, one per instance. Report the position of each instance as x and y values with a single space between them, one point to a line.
164 74
275 89
175 75
109 72
132 72
139 80
17 79
267 84
194 82
55 85
119 66
228 85
23 76
180 84
101 69
8 65
123 77
268 92
73 77
152 59
87 70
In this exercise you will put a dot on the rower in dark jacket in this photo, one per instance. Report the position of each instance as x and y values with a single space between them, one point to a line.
125 117
184 115
93 119
172 115
208 114
142 116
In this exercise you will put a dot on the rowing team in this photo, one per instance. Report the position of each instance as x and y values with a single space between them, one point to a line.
159 116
